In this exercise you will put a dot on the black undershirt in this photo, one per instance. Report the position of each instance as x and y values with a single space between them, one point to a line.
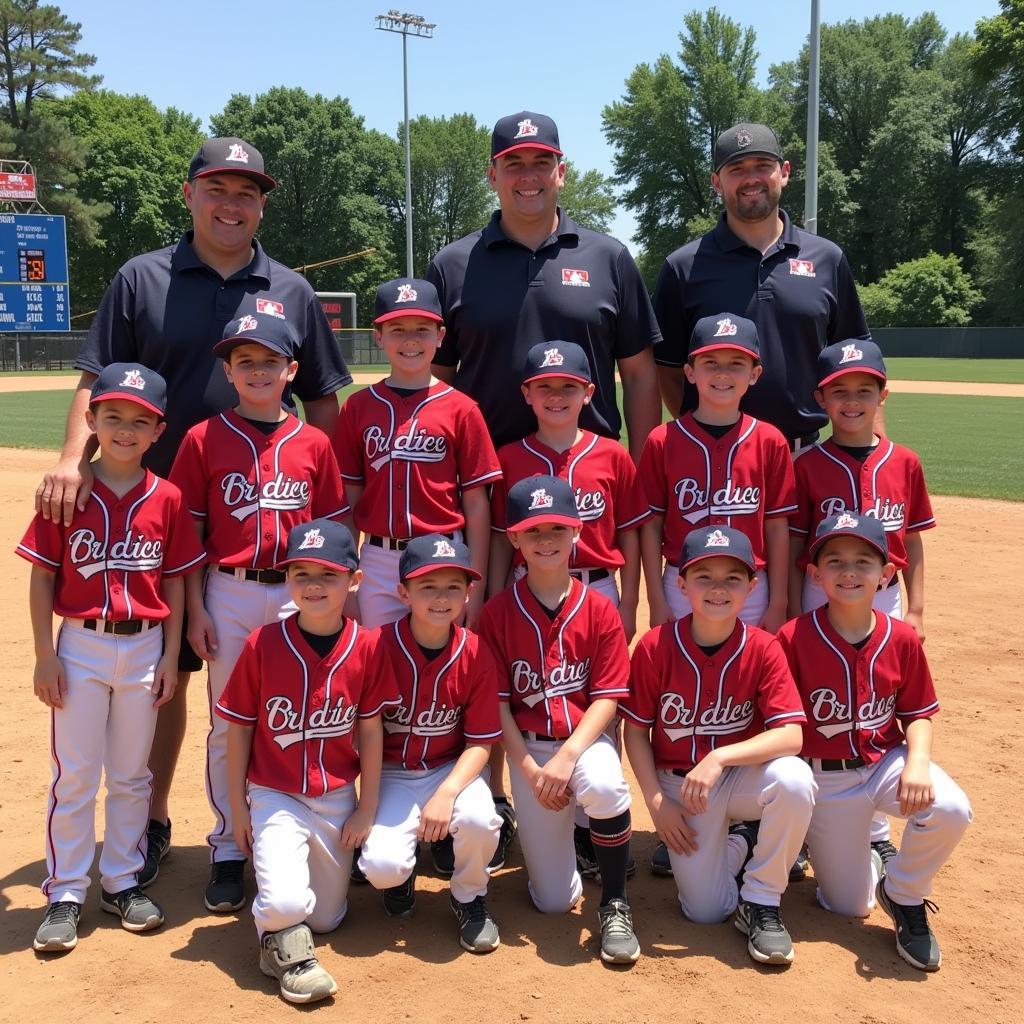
712 649
406 392
263 426
552 612
858 452
430 653
858 644
322 644
716 430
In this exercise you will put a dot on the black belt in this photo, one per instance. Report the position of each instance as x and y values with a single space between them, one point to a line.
255 575
394 544
593 575
838 764
802 442
680 772
126 627
540 737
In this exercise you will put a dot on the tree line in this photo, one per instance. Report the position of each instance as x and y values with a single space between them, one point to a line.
921 161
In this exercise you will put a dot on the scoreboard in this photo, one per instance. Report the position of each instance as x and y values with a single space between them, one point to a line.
33 273
339 308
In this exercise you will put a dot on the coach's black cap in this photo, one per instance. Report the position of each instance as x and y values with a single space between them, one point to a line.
406 296
230 156
524 130
536 500
745 139
434 551
323 541
720 542
557 359
848 524
274 332
855 355
132 382
724 330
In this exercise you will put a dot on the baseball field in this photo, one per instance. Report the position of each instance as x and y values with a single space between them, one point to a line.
966 420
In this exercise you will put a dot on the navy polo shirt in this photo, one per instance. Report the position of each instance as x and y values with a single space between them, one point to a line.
166 309
500 297
801 296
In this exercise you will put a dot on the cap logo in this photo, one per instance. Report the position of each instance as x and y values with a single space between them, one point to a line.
406 293
552 357
743 138
726 329
442 549
540 499
526 129
801 268
270 307
312 539
575 278
247 323
716 539
846 522
133 379
851 354
237 154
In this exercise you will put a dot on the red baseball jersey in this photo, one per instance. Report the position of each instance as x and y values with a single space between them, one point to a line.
888 485
694 479
303 708
110 560
551 671
251 488
414 455
447 702
604 480
694 702
855 699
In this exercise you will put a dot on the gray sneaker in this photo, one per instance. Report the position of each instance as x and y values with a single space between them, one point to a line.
137 911
59 931
477 931
915 941
400 900
619 944
768 942
158 845
885 850
289 956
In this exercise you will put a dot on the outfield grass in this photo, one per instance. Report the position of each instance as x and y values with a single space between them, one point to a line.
981 371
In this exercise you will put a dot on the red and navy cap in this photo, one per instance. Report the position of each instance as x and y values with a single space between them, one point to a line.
434 551
557 359
406 296
524 130
855 355
274 332
323 541
717 542
849 524
724 330
743 140
230 156
536 500
132 382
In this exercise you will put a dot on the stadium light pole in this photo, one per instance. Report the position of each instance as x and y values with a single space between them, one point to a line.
405 24
813 74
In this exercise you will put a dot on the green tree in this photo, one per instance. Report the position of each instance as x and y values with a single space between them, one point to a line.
588 197
933 291
998 60
339 186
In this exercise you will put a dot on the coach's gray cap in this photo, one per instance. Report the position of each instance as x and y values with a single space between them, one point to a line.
745 139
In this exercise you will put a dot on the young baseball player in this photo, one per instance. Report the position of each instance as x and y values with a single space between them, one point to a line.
303 713
712 729
414 453
436 742
563 665
248 476
716 466
869 699
114 575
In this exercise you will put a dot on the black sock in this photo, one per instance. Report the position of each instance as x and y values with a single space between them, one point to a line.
610 837
499 799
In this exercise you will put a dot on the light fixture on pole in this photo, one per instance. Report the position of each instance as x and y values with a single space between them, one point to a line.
405 24
813 74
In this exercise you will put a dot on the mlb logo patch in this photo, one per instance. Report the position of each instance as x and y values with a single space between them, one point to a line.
442 549
846 522
552 357
237 154
726 329
133 379
247 323
406 293
716 539
540 499
270 307
801 268
575 278
526 129
851 354
312 539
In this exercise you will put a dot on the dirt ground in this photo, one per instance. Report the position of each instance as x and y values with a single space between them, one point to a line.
546 968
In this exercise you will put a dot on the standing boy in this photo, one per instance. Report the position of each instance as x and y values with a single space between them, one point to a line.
869 698
414 453
248 476
436 742
563 665
299 690
712 729
114 574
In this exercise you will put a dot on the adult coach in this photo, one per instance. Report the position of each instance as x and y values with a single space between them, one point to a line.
166 309
796 287
533 274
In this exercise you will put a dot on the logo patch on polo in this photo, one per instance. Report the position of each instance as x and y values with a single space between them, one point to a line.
270 307
575 278
237 154
801 268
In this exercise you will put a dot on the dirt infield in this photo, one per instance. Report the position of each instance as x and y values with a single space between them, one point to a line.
202 966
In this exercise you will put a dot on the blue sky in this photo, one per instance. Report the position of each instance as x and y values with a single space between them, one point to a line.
567 60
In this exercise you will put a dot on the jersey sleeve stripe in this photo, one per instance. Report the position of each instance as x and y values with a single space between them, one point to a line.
339 513
798 531
658 510
783 510
390 703
635 521
785 716
505 695
923 524
610 691
196 514
354 477
35 556
479 480
625 712
228 713
483 735
178 570
925 712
